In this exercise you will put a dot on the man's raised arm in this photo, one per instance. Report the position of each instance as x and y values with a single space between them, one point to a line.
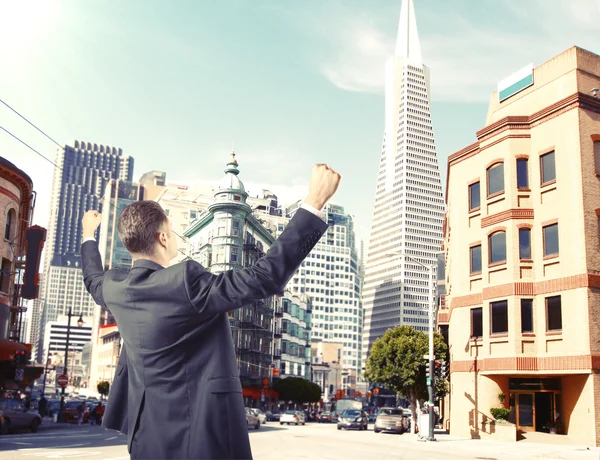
91 260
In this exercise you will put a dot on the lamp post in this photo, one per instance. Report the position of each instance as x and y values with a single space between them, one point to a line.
79 324
430 384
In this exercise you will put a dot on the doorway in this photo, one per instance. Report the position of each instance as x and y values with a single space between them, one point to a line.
544 409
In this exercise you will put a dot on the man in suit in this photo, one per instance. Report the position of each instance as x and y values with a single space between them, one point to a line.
183 396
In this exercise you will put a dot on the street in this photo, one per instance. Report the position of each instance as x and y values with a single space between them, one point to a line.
275 442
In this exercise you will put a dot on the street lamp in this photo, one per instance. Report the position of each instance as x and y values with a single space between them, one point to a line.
430 384
79 324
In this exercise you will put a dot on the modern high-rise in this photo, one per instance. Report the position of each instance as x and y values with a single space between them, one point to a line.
409 203
80 178
330 277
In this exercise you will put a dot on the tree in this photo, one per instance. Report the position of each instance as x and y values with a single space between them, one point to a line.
396 361
103 388
298 390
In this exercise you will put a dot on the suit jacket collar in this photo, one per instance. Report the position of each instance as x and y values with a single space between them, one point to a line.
145 263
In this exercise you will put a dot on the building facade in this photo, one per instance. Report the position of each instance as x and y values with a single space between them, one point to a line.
409 205
80 179
330 276
292 351
17 200
523 256
228 237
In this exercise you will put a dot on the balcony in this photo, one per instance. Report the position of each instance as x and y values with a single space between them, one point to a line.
278 333
278 312
277 353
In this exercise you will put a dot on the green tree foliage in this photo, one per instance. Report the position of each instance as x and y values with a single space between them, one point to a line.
298 390
103 388
396 361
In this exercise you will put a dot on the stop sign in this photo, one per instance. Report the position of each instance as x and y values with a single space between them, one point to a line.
62 380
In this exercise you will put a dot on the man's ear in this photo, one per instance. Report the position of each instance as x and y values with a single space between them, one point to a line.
162 239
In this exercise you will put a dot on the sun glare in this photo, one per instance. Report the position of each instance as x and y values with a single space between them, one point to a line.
24 22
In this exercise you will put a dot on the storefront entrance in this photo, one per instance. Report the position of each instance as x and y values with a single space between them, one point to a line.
534 403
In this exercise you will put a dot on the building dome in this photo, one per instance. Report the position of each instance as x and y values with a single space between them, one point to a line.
231 181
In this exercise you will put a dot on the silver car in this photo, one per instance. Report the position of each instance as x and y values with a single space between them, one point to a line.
17 416
252 420
292 416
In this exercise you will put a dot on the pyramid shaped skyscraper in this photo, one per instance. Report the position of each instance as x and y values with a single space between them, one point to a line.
409 204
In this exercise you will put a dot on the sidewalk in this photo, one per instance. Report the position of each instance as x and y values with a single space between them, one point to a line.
528 449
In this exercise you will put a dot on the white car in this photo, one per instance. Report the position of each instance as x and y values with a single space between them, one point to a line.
259 415
292 416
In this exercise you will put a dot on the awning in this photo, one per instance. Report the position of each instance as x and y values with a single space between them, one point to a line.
255 393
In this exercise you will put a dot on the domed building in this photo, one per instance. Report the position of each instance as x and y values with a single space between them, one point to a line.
229 237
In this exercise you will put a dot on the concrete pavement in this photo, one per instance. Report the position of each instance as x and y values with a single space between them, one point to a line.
276 442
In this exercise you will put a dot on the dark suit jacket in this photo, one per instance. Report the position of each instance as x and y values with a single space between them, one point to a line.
183 393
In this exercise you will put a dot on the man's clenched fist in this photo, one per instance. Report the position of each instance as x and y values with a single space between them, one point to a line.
323 185
90 222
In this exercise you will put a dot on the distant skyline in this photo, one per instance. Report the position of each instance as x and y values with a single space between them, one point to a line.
289 83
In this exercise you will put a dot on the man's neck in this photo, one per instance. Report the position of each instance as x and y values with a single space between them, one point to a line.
157 260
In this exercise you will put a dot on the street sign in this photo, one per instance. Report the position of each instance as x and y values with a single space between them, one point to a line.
19 374
428 381
62 380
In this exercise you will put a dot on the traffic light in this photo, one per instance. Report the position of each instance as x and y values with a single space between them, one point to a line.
445 371
19 358
427 375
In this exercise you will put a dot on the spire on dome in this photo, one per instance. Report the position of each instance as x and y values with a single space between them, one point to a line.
232 165
408 45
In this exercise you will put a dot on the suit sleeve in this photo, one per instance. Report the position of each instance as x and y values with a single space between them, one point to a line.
211 294
93 273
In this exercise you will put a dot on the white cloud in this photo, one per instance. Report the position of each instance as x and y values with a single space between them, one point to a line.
467 55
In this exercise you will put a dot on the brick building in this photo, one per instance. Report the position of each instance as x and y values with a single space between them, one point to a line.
522 243
16 211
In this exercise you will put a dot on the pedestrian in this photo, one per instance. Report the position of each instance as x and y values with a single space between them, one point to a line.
92 417
99 413
43 406
174 323
80 413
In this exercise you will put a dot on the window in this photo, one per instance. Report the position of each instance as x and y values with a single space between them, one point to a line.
5 275
499 315
522 173
474 196
10 218
234 255
193 215
550 240
167 212
524 243
495 179
475 259
553 314
477 322
237 198
548 170
497 243
597 157
526 315
235 230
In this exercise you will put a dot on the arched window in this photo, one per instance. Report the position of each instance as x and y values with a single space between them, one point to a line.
495 179
497 247
10 223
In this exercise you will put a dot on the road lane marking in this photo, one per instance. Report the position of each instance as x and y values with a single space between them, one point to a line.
110 439
22 443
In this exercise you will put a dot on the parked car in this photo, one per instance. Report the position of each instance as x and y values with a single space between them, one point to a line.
252 420
272 416
71 414
17 416
390 419
260 415
353 418
326 417
292 416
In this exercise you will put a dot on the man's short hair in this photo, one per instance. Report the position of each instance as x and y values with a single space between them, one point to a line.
139 225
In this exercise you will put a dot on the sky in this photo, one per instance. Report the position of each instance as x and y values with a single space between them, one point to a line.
286 83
